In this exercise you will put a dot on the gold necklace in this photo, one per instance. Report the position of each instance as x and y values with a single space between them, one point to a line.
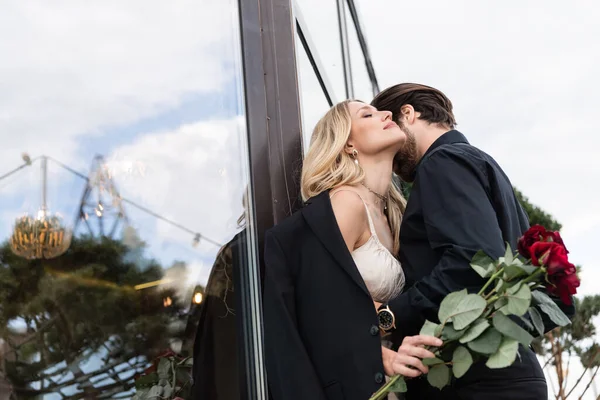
381 197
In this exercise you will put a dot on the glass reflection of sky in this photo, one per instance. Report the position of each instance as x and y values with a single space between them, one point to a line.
153 87
181 171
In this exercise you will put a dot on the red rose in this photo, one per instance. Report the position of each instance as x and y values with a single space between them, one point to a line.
556 259
539 251
536 234
554 237
564 284
533 235
562 275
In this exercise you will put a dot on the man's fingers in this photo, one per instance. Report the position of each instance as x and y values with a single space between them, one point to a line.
415 352
403 360
423 340
406 371
388 356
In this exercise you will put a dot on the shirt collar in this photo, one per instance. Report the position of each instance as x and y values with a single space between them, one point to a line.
449 137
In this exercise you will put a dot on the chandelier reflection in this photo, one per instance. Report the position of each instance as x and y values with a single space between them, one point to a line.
43 236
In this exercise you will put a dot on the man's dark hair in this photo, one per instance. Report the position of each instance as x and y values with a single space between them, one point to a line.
433 105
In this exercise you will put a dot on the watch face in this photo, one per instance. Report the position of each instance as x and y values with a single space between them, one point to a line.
386 320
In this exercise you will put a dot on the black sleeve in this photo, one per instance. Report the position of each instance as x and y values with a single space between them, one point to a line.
460 220
290 372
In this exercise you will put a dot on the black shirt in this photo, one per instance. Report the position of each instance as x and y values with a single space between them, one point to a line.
461 202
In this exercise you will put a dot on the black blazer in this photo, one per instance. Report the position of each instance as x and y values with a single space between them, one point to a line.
321 335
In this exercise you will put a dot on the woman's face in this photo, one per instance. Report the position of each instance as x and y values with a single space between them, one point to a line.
373 132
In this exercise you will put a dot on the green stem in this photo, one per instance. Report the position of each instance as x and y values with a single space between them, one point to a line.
492 299
490 294
533 276
492 279
383 391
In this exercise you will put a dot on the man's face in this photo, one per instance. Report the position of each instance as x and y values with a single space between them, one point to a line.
407 158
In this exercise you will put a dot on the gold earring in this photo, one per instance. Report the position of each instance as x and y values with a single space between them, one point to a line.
354 155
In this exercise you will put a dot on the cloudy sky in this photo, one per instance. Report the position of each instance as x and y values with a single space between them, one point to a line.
154 87
158 84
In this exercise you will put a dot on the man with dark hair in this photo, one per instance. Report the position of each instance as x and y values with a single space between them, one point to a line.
460 202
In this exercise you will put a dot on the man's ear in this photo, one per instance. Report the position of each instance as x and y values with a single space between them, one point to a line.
408 115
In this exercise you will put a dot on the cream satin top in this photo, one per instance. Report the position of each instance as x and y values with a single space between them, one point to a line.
380 270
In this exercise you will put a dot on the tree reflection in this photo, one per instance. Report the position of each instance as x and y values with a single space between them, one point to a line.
76 326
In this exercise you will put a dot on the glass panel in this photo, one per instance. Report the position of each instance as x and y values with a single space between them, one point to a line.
122 174
321 19
312 99
363 89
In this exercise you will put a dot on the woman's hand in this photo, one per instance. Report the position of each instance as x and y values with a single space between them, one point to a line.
377 305
407 361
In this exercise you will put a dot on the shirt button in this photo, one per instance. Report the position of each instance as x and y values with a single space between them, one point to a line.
374 330
378 377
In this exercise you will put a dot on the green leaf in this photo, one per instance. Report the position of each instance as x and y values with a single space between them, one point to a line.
527 323
506 354
461 361
529 269
399 386
499 284
508 255
449 304
486 343
501 302
429 328
509 328
482 264
550 308
513 271
536 319
432 361
439 376
167 391
519 299
475 330
517 261
164 366
146 381
468 310
449 333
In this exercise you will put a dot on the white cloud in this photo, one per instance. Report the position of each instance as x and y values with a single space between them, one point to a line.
72 69
192 175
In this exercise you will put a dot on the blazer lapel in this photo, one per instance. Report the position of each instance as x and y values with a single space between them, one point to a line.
321 220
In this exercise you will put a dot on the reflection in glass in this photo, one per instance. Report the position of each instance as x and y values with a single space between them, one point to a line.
363 89
312 99
128 126
321 19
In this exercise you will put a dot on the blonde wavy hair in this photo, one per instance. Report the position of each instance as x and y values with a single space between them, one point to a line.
327 166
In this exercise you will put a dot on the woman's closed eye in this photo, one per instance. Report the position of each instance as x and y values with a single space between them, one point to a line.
367 115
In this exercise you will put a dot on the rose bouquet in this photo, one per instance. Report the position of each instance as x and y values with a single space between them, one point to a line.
491 324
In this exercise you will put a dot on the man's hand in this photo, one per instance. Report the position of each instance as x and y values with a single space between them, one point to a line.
407 361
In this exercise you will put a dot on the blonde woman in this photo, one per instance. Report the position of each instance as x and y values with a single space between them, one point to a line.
328 264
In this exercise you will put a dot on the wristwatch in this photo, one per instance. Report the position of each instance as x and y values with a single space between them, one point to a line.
386 318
